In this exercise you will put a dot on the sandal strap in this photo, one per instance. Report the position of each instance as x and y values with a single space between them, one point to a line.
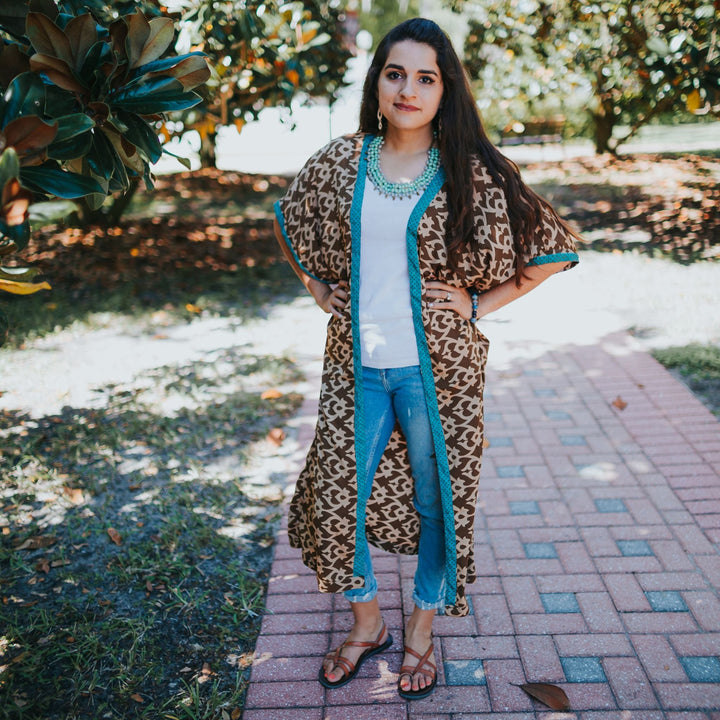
347 665
423 660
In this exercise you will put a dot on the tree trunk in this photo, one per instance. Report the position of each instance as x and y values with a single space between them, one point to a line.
107 215
602 132
120 203
207 150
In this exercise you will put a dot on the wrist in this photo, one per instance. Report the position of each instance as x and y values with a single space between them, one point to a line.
319 290
474 306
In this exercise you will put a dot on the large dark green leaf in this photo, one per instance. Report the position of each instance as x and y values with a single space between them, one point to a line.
61 101
99 54
142 135
25 96
144 85
51 180
9 166
164 63
19 234
160 102
71 125
105 163
75 147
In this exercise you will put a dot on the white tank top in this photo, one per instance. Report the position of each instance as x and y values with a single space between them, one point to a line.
387 334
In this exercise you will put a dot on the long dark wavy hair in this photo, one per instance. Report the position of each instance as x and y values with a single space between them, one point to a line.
462 137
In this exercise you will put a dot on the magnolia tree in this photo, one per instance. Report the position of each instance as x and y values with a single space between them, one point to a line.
263 53
626 62
78 111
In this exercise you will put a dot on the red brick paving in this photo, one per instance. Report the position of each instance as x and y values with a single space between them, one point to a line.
660 456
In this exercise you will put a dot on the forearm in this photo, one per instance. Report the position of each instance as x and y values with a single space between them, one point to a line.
318 289
506 292
331 298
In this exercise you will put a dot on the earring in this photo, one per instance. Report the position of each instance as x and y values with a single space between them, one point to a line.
379 117
439 129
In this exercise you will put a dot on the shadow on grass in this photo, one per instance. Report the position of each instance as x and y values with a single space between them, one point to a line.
616 218
136 544
201 242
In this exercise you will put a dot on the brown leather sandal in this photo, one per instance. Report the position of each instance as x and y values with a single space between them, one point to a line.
346 665
412 670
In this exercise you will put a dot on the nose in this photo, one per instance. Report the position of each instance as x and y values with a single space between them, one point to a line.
407 89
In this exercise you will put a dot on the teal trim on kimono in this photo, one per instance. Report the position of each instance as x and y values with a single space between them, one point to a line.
557 257
359 560
281 221
428 379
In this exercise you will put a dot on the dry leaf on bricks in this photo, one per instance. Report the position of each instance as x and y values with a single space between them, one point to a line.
551 695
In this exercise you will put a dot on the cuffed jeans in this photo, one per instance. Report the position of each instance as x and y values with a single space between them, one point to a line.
397 394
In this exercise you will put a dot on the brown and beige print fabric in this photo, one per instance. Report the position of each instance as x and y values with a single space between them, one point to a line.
316 217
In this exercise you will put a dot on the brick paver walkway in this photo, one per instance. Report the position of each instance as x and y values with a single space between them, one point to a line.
597 556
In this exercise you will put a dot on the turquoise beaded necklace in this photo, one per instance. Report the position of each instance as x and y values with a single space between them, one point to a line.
404 189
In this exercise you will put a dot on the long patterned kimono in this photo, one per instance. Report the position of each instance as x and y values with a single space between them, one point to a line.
320 219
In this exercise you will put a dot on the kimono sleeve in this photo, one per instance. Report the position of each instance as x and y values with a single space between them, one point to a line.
552 243
302 222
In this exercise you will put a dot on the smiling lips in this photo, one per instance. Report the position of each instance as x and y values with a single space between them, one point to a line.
406 108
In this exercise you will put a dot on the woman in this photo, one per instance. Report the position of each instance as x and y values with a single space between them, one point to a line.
406 233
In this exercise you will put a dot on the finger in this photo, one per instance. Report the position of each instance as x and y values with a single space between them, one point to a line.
437 285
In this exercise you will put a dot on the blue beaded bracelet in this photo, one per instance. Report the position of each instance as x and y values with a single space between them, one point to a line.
474 297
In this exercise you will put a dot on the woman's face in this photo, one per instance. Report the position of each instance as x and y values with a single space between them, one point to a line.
410 86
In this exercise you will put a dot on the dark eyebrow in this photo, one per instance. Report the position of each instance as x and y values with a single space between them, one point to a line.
400 67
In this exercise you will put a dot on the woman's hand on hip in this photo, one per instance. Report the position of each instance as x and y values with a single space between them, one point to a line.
442 296
332 298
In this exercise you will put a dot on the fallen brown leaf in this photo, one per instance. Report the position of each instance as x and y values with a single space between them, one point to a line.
271 394
115 536
137 698
276 436
619 403
37 541
74 495
42 566
551 695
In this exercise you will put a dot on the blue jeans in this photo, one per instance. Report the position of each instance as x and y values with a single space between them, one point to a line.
397 394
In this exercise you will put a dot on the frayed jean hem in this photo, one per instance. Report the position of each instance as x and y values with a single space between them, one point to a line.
363 594
422 605
366 597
